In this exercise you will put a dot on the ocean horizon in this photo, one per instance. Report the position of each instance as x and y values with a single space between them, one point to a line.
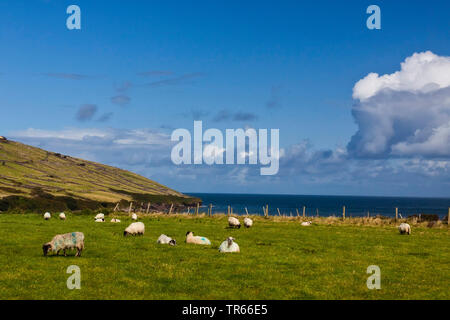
323 205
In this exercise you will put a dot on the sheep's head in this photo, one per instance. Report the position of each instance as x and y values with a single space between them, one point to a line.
125 233
230 241
45 248
172 242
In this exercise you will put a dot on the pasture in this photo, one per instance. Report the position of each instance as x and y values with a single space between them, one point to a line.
278 260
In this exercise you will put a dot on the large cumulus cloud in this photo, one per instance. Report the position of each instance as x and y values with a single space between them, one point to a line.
404 114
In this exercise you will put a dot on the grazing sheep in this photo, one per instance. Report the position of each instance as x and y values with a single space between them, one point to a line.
99 220
234 222
229 246
306 223
67 241
47 215
62 216
113 220
404 228
134 216
163 239
100 216
136 228
248 222
190 238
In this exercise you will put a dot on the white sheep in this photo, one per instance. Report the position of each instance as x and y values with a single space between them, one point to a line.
306 223
100 216
67 241
404 228
113 220
47 215
134 216
99 220
229 246
136 228
62 216
190 238
163 239
248 222
234 222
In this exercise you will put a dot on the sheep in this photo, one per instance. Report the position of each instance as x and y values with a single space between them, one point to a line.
190 238
136 228
163 239
306 223
134 216
229 246
100 216
113 220
99 220
62 216
47 215
248 222
234 222
404 228
67 241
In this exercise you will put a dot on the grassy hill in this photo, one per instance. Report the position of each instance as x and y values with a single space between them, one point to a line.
35 179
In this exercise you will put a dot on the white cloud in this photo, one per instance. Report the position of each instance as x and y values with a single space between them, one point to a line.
422 72
404 114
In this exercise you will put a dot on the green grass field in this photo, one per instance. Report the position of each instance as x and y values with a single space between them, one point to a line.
278 260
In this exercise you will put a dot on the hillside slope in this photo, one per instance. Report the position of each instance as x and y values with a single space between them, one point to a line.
27 171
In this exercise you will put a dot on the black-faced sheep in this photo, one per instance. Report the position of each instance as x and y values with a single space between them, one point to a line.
229 246
136 228
404 228
163 239
234 222
67 241
190 238
248 222
47 215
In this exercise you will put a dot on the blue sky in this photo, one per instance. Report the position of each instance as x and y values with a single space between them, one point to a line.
146 67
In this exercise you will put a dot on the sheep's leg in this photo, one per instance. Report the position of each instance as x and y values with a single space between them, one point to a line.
65 255
78 254
57 252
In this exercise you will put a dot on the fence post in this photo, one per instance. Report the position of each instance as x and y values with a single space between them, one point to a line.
267 210
297 211
196 211
148 208
396 213
246 211
278 212
171 207
448 217
304 211
343 212
129 209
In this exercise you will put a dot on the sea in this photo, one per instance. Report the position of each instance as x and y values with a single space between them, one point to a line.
355 206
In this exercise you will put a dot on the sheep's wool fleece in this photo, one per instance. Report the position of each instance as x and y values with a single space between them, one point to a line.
67 240
163 239
225 248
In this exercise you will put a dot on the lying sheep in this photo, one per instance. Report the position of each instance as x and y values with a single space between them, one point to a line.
47 215
163 239
134 216
62 216
229 246
404 228
67 241
99 220
113 220
190 238
100 216
248 222
306 223
234 222
136 228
